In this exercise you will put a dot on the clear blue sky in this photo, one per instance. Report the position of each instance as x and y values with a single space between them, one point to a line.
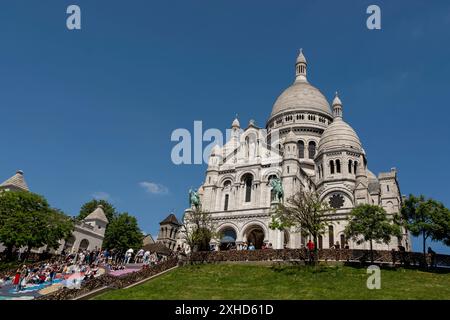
91 112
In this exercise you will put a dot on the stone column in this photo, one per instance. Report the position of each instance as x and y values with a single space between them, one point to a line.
280 239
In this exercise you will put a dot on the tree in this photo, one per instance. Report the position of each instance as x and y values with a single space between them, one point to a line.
123 233
90 206
26 219
427 218
198 229
305 211
370 223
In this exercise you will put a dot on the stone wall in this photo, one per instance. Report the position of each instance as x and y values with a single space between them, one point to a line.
408 258
109 281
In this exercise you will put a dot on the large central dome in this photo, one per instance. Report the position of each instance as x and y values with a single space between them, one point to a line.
301 95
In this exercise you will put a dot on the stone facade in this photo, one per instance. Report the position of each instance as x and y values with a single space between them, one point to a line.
168 230
307 146
88 233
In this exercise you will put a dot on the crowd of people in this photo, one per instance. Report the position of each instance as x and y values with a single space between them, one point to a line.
83 265
245 246
147 258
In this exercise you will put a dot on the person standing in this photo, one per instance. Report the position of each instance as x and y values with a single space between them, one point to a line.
139 256
16 281
311 248
128 255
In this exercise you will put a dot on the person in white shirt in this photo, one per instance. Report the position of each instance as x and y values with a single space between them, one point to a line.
128 255
139 256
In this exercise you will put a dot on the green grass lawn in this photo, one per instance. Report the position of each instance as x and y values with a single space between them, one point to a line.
225 281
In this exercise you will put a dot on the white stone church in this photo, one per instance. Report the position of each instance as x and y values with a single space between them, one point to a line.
307 145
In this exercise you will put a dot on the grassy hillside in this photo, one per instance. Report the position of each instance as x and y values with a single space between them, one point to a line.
223 281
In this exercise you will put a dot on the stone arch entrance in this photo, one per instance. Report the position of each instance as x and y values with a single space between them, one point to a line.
68 245
228 238
84 244
255 234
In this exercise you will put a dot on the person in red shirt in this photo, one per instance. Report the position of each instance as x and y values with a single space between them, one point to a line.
311 247
16 281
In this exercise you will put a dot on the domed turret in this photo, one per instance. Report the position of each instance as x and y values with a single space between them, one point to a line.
339 134
291 138
235 123
216 151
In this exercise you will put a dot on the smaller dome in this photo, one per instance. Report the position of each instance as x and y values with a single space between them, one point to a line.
216 150
338 135
236 123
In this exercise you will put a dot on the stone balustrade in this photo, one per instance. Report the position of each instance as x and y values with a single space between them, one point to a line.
392 257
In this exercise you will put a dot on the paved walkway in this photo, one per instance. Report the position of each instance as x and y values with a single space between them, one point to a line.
131 267
9 292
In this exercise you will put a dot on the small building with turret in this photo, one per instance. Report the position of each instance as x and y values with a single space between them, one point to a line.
88 234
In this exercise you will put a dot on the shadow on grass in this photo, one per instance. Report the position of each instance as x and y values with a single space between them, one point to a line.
292 270
436 270
321 268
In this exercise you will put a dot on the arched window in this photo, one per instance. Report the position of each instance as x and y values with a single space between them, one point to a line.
338 166
248 181
330 236
355 166
350 165
225 206
84 244
331 166
247 151
343 241
228 238
311 149
301 149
